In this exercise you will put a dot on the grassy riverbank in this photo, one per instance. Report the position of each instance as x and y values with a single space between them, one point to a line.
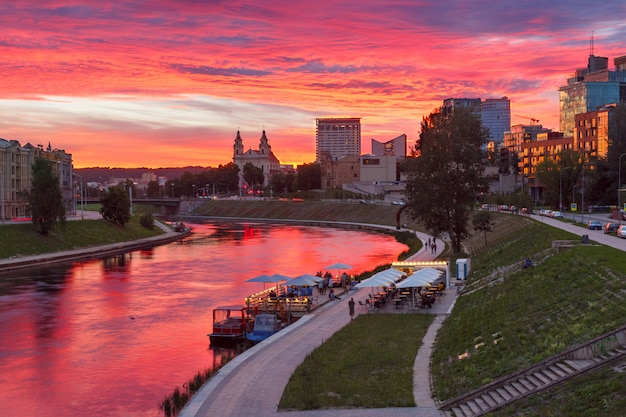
383 214
570 296
24 239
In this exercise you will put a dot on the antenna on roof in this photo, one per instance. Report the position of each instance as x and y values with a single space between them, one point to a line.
591 44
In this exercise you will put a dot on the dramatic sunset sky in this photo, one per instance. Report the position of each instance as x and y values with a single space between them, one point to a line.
168 83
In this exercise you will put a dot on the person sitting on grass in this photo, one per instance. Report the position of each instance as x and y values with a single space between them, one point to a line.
527 263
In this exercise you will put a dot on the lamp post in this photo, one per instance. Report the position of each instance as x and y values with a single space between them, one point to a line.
82 200
619 188
561 188
2 192
582 199
172 190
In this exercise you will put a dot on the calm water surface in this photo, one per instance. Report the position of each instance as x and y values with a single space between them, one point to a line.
113 337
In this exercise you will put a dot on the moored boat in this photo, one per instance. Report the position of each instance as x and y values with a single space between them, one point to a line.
230 325
265 325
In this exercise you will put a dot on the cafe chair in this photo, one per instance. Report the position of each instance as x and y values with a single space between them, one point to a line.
362 304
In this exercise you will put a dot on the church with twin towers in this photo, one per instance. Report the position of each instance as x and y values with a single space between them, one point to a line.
262 158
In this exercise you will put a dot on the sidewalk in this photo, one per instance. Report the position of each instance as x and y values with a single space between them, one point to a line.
252 384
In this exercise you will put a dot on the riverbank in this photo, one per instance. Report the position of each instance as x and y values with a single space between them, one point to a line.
167 235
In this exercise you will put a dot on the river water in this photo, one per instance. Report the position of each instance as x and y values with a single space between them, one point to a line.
113 337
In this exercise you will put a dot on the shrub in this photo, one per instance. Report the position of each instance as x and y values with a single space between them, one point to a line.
147 221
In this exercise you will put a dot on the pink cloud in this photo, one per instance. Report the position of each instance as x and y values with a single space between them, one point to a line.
279 65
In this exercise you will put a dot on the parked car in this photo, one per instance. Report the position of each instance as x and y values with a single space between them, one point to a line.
594 225
621 231
503 207
557 215
610 228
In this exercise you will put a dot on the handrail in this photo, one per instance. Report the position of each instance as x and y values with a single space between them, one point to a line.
540 365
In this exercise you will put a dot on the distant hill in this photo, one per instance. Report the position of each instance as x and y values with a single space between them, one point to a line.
103 175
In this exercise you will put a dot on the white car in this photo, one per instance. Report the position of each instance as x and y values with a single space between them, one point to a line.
621 231
557 215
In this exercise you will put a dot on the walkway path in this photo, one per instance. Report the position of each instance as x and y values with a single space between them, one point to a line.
252 384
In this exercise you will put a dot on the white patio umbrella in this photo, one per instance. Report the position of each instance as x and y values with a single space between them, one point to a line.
268 278
301 281
376 281
310 277
339 266
421 278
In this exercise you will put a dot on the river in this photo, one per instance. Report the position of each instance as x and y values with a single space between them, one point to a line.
114 336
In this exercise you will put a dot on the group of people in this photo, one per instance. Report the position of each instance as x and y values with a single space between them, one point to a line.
432 245
327 281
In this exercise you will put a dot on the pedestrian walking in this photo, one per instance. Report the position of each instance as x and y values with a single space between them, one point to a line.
351 307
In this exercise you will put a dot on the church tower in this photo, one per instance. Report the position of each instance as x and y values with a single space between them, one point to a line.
238 147
264 146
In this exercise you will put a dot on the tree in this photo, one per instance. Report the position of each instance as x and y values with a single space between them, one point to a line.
309 177
115 205
253 175
442 181
153 190
559 176
482 222
45 197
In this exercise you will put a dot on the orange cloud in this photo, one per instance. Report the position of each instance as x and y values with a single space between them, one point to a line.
168 84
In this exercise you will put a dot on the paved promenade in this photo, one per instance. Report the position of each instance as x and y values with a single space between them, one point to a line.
252 384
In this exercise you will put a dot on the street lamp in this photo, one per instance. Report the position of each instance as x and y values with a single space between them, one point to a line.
619 188
82 200
2 192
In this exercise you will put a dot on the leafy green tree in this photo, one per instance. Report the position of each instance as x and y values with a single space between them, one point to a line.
253 175
153 190
309 177
227 178
483 222
442 182
560 175
115 205
45 197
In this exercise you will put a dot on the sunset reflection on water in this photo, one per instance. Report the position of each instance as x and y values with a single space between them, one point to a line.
115 336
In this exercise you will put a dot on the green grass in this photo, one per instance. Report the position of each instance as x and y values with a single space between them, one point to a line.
306 210
597 394
367 364
24 239
569 297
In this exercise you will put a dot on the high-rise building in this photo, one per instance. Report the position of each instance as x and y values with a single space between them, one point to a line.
494 114
341 136
591 89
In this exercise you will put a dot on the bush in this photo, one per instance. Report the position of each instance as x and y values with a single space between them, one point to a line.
147 221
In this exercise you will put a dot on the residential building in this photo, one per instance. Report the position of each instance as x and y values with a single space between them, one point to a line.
262 158
341 136
16 166
591 133
394 147
590 89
